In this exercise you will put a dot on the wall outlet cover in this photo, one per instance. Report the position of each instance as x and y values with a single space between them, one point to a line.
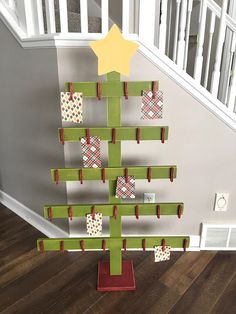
221 202
149 197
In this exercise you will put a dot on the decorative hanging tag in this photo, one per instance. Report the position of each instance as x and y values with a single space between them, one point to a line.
151 108
104 175
138 135
185 244
113 135
56 173
99 91
72 110
158 211
41 247
180 211
163 243
93 212
125 245
70 213
125 190
126 90
62 136
149 174
94 226
163 135
82 246
126 175
137 211
154 89
160 255
91 152
144 244
71 92
172 170
88 136
50 213
115 212
81 177
62 247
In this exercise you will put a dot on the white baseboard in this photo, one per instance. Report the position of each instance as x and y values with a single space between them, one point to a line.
37 221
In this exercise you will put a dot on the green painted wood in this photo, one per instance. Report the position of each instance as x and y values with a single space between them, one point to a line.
111 243
122 133
114 160
124 209
140 172
111 88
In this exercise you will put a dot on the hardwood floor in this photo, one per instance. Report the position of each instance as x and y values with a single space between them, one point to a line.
194 282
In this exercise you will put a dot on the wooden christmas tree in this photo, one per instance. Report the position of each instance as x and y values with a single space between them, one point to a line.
115 274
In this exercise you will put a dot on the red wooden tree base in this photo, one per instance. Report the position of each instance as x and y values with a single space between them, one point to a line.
123 282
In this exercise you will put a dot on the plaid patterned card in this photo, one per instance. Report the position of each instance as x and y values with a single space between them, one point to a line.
151 108
123 189
91 152
94 226
160 255
71 110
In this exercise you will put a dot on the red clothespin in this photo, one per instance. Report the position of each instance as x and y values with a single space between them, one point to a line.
144 244
104 246
41 246
82 246
88 136
50 213
180 211
70 213
115 211
172 170
103 175
62 136
126 90
56 173
185 244
163 135
81 177
93 212
125 245
62 247
149 174
71 92
163 243
137 211
99 91
158 209
126 175
154 89
114 135
138 135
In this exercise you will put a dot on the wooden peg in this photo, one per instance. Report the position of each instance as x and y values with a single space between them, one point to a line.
99 91
163 244
88 136
163 130
71 92
149 174
56 173
137 211
115 211
180 211
50 213
138 135
82 246
104 246
114 135
172 170
126 90
81 177
126 175
62 136
158 209
125 245
41 246
93 212
154 89
103 175
144 244
62 247
70 213
185 244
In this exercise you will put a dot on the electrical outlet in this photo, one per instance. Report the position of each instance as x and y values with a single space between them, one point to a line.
149 197
221 202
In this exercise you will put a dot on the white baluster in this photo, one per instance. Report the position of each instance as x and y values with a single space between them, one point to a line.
31 19
232 87
216 73
147 21
211 31
105 16
176 30
190 6
169 27
84 16
63 16
181 41
200 40
125 16
163 26
50 16
40 16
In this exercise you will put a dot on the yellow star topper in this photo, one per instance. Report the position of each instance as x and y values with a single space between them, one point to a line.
114 52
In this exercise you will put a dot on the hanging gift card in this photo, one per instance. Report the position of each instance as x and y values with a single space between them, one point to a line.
125 189
151 108
161 255
91 152
94 226
71 109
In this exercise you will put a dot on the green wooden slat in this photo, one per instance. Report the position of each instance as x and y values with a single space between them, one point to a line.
116 243
122 133
140 172
111 88
128 209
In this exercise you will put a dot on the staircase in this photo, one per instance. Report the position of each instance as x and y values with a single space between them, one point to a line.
192 41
